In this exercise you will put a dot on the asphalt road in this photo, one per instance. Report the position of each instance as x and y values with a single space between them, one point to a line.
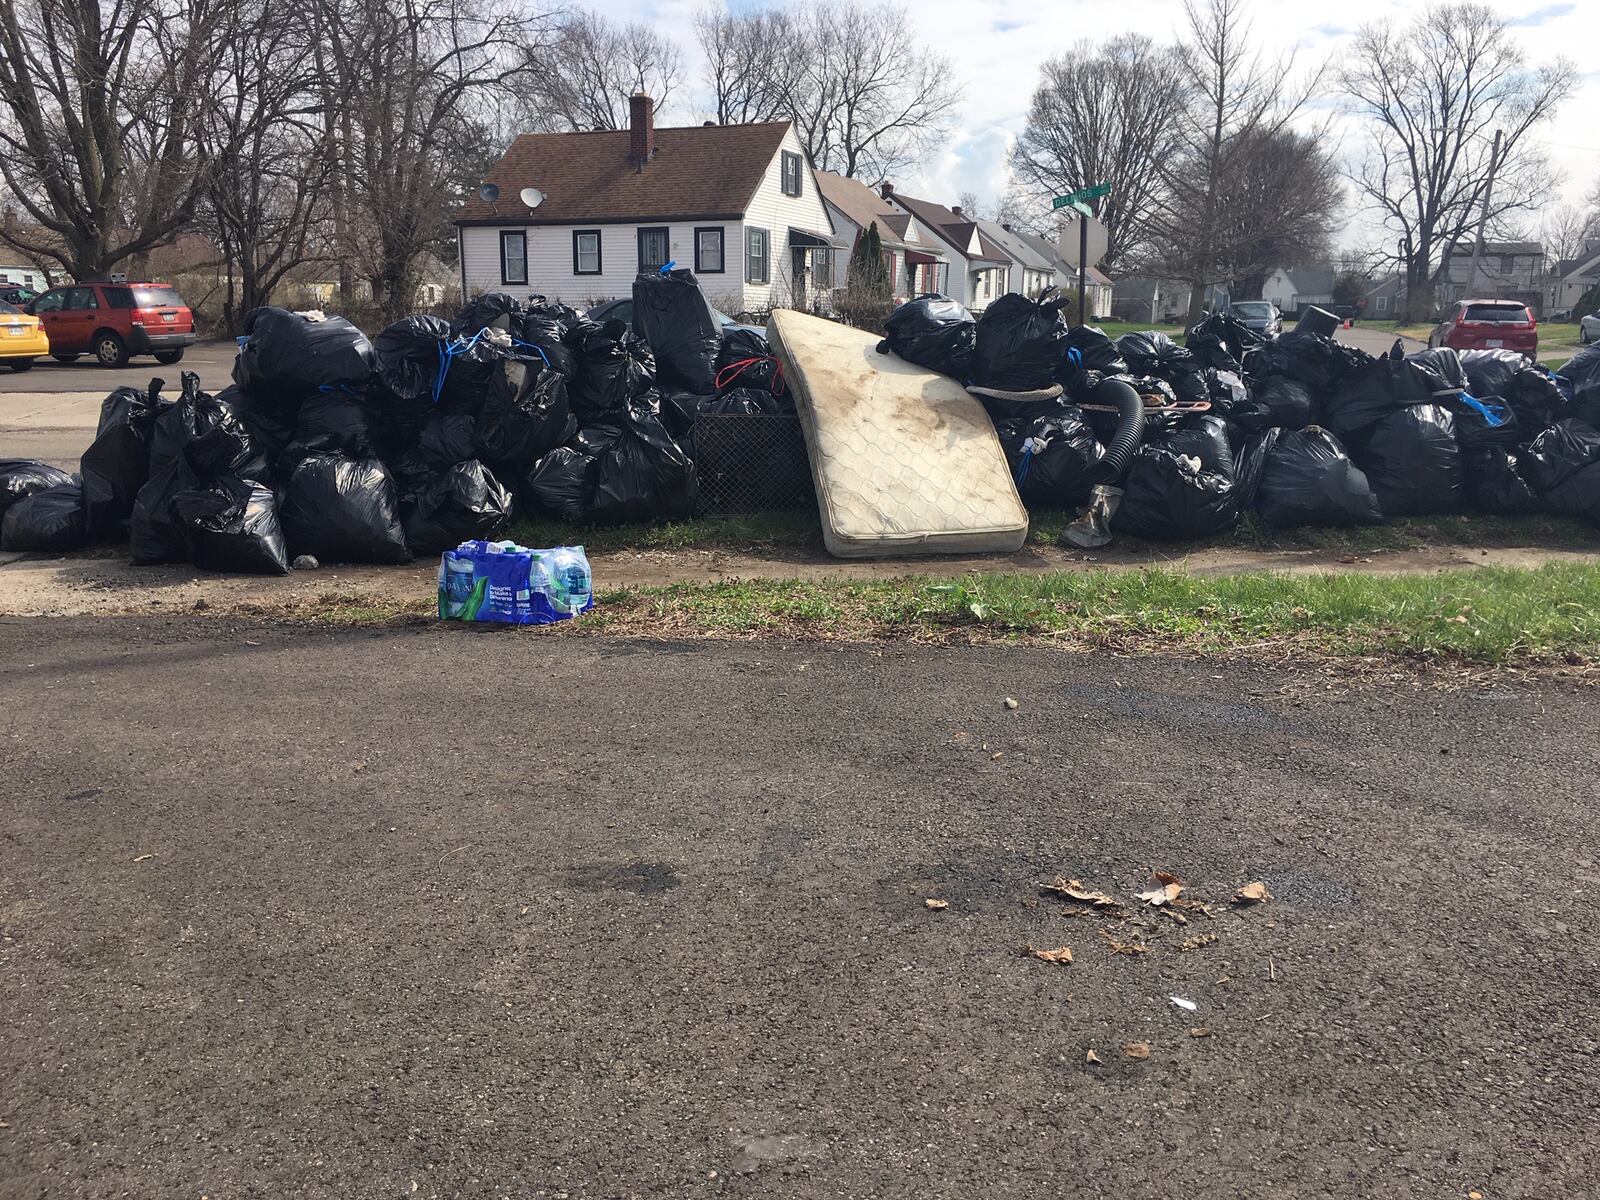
472 912
212 361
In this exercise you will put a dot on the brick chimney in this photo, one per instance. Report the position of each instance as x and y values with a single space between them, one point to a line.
956 210
641 129
887 190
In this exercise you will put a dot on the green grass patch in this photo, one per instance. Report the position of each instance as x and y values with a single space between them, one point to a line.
1490 615
761 531
1116 329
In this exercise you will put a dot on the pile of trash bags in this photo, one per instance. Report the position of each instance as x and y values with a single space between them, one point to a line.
1298 429
431 434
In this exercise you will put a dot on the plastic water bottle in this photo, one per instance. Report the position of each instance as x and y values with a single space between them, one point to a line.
456 586
567 579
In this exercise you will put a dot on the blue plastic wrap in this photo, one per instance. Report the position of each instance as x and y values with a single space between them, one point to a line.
514 585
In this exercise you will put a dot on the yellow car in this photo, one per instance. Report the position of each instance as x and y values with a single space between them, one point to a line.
22 338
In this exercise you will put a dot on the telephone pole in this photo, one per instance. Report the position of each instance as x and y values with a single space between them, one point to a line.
1483 219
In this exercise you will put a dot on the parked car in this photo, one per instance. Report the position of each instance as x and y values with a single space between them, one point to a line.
1259 316
22 338
114 321
1346 313
1488 325
17 294
1589 329
622 310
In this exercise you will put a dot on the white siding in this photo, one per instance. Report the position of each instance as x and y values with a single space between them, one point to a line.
771 210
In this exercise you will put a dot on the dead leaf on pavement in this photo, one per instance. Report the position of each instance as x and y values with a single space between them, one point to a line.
1074 889
1123 947
1161 888
1252 893
1092 1057
937 905
1200 1031
997 756
1173 914
1198 940
1062 954
1137 1049
143 857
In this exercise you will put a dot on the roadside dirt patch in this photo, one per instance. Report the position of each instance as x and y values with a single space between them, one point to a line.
103 584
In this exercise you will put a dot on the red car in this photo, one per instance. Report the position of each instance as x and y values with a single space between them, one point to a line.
1488 325
114 321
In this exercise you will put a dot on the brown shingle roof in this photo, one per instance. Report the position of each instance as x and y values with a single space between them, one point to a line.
955 230
698 172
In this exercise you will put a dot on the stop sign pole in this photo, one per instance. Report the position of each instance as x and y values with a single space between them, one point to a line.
1078 202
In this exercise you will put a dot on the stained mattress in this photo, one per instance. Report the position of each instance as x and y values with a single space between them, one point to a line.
904 460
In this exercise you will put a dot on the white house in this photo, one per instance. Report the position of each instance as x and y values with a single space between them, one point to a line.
1031 270
979 268
1097 285
20 276
1296 288
737 203
913 253
1505 271
1570 278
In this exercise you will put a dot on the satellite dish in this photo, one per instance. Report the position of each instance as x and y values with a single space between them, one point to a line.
532 197
489 192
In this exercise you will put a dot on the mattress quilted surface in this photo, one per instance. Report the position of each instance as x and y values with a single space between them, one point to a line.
904 460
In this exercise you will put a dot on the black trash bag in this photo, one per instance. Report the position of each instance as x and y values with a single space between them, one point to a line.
1054 459
343 510
1155 390
525 414
446 439
1203 436
231 524
676 321
1379 388
1494 484
1308 479
614 366
746 361
543 333
1559 453
597 438
1484 421
153 532
1309 358
933 332
1165 499
1444 366
467 503
1228 391
1089 348
492 310
1153 353
1020 342
1413 463
216 440
336 422
1288 403
50 520
563 482
406 357
1529 389
21 477
1250 465
749 401
543 308
1220 341
289 356
1578 495
269 423
1582 374
679 409
644 475
117 463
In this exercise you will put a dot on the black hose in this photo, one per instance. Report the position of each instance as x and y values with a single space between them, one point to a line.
1130 408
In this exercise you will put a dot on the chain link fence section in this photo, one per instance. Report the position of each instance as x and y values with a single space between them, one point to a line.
751 464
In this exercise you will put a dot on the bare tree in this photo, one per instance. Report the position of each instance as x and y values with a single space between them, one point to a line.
1104 114
582 75
1564 229
750 62
96 97
1278 206
263 131
414 79
1236 102
1434 93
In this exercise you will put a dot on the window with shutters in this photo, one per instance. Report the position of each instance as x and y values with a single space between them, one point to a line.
791 173
757 255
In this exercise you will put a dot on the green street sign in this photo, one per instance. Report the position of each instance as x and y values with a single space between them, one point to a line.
1083 208
1076 199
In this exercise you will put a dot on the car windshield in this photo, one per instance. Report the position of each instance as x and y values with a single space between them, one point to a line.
9 309
1253 310
1513 314
157 297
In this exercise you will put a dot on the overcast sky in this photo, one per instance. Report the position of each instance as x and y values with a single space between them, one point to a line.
997 46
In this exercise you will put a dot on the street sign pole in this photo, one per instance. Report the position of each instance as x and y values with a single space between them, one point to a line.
1083 269
1077 200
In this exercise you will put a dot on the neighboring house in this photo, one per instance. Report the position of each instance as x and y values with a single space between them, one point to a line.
1294 289
28 277
308 286
1032 270
1570 278
1506 271
1097 284
913 253
1160 301
1385 299
738 203
979 268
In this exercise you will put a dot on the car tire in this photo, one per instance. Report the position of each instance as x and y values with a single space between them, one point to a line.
167 357
66 358
109 350
20 365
